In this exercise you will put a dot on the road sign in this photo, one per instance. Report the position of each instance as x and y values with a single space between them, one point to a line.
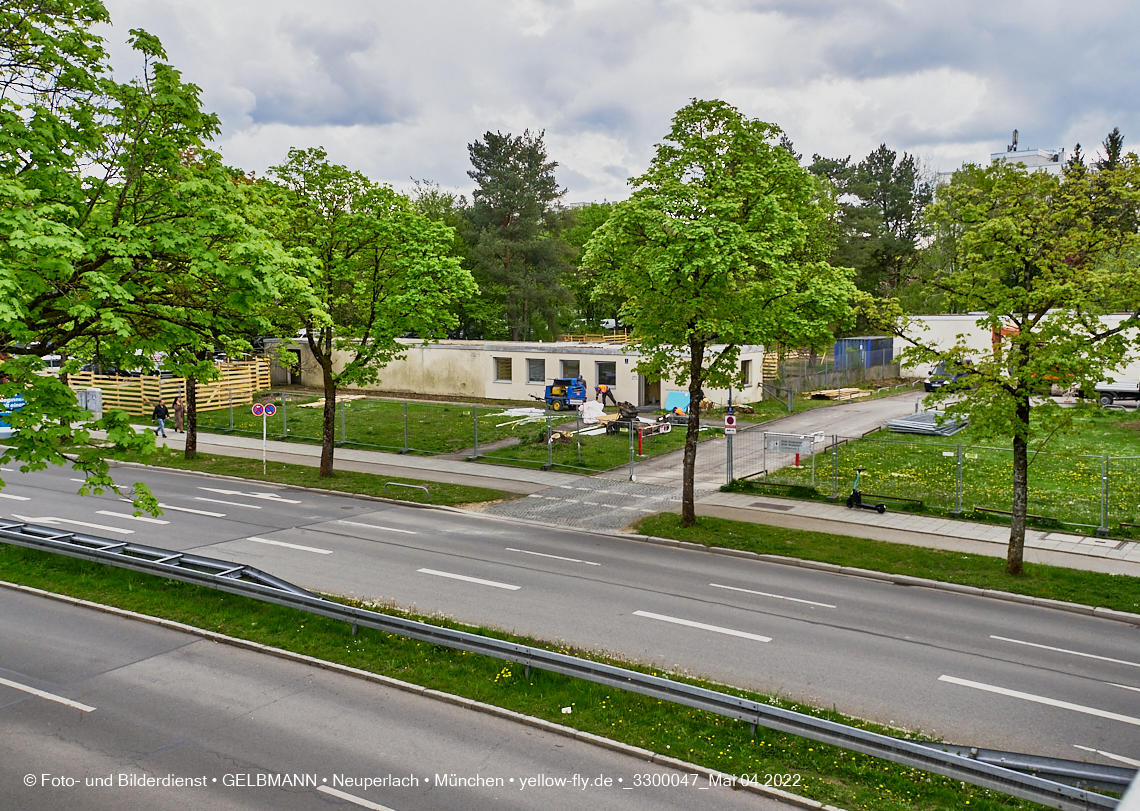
258 409
270 410
788 443
729 424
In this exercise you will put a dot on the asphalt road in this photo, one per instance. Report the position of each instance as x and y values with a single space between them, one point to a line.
972 670
119 702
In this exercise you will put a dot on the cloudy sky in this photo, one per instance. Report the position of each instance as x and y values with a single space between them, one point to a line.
398 89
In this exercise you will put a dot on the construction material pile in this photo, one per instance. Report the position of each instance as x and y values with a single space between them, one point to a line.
926 423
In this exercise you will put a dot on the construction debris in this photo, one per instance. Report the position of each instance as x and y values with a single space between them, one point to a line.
340 398
519 416
839 394
926 423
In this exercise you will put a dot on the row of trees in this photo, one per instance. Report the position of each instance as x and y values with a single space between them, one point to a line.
123 236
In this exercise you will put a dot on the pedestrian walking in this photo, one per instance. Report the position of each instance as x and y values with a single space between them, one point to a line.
161 415
602 391
179 414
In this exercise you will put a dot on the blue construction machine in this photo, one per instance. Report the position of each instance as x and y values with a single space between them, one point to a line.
563 393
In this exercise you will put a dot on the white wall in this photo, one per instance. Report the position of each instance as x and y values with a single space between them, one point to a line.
468 369
942 331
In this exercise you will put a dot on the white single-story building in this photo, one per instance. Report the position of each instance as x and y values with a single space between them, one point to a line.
506 370
943 330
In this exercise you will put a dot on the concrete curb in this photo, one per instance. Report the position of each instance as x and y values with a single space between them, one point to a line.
449 698
851 571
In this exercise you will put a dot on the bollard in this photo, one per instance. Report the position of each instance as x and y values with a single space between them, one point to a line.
475 425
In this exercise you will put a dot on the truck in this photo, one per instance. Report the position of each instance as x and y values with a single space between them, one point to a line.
564 393
1108 393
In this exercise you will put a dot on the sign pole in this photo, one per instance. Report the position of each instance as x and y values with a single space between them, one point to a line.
263 429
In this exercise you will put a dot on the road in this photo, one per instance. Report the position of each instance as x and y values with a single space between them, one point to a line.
119 700
972 670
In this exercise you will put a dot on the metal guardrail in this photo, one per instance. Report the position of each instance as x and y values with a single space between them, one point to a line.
250 582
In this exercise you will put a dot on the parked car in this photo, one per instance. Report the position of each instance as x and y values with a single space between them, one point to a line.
939 376
1108 393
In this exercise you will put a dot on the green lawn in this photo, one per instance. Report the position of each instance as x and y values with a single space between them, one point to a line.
1064 480
1118 592
345 481
827 774
441 428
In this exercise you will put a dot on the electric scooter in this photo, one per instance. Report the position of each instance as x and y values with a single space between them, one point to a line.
856 498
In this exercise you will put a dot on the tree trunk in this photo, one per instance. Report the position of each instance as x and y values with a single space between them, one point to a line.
328 435
692 434
1020 506
191 417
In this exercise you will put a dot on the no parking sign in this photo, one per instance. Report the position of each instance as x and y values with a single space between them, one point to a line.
258 409
729 424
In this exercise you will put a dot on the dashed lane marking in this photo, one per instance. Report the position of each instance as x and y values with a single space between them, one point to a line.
556 557
467 579
142 518
291 546
1049 702
703 626
49 696
776 596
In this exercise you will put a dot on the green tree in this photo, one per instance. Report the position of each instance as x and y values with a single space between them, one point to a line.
591 307
379 270
878 219
1045 258
517 250
107 199
719 246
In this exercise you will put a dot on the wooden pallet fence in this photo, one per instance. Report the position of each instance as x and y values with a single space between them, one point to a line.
138 395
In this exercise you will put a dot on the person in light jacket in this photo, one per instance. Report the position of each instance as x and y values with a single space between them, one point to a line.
179 414
161 415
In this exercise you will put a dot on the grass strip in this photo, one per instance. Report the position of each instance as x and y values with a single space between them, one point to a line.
368 484
826 773
1120 592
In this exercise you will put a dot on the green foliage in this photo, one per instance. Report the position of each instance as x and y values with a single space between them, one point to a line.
719 246
519 256
877 222
1045 259
592 306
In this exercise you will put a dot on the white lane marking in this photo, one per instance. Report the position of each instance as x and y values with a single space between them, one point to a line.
777 596
556 557
290 545
467 579
1050 702
1063 650
48 696
702 626
1125 686
188 510
53 521
373 526
7 469
353 799
81 481
14 498
1109 755
266 496
142 518
228 503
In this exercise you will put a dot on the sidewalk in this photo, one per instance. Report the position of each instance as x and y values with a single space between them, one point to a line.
562 499
429 468
1054 548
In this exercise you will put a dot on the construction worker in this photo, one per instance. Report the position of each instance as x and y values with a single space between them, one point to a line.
602 391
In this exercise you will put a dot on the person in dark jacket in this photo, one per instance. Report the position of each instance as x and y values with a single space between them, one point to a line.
179 414
161 415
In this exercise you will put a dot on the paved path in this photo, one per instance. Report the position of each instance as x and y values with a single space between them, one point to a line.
849 419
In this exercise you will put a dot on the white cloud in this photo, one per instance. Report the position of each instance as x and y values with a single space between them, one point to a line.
398 90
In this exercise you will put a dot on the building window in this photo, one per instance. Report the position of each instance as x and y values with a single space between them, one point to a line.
571 368
536 371
746 372
607 373
503 371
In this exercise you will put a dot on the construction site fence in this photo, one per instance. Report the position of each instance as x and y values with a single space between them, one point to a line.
236 384
460 431
1087 492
